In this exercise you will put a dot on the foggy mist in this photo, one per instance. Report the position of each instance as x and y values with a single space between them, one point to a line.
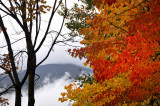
47 95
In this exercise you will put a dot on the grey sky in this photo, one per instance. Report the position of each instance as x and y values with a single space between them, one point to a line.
59 55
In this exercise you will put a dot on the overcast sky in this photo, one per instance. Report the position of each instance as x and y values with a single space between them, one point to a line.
60 54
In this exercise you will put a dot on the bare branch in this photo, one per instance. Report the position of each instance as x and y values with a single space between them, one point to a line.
3 78
53 42
6 90
5 11
117 26
48 27
24 78
69 45
37 17
12 15
9 73
37 78
20 52
11 57
13 42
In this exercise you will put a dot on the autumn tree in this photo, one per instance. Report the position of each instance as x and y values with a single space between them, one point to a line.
27 19
122 45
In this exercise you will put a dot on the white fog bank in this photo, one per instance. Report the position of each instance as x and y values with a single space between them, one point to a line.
47 95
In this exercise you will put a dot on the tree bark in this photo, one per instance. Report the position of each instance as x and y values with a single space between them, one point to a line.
31 67
18 96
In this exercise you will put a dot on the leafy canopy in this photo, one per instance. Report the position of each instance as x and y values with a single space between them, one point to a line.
122 45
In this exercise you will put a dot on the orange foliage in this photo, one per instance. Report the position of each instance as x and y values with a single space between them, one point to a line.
123 38
4 102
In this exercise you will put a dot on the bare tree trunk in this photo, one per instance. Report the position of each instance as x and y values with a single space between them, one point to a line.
18 96
31 68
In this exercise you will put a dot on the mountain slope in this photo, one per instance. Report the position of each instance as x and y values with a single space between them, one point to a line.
51 72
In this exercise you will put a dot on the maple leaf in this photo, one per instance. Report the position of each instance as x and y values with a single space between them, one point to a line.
122 40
